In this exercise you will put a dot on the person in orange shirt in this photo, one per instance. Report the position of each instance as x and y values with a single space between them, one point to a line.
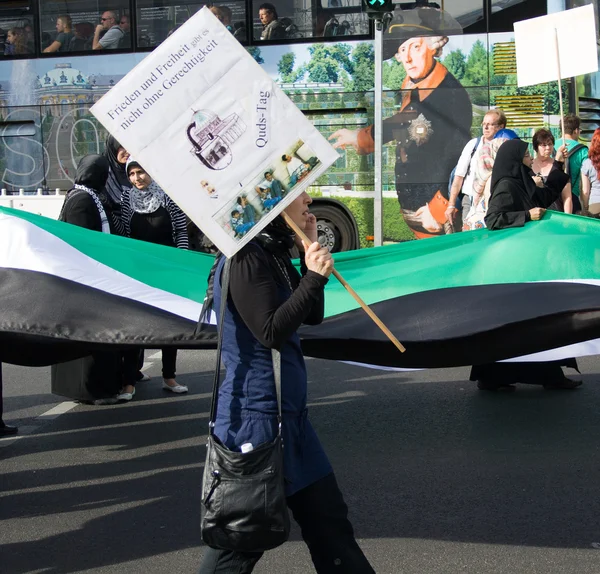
432 125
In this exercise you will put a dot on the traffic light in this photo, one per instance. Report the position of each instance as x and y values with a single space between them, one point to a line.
376 8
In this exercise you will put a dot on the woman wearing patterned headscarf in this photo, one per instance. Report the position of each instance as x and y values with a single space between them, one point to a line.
148 214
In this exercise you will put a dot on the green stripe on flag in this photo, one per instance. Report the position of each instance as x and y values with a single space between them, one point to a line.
560 247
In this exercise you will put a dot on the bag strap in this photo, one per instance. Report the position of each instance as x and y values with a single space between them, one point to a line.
571 152
217 376
575 149
471 158
275 356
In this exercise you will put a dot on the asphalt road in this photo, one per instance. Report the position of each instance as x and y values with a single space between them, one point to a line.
439 477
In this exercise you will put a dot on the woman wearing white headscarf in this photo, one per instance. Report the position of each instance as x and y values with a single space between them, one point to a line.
150 215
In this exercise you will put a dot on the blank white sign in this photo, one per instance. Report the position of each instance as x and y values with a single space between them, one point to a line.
536 52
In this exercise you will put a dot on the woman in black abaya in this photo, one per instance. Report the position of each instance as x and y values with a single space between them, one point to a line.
86 205
517 198
117 181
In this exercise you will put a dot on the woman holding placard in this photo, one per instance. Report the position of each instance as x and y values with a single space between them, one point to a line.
268 300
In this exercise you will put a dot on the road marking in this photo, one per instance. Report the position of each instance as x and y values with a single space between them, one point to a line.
58 410
24 430
50 415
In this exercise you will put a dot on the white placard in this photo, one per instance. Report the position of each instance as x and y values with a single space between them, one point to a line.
212 129
536 51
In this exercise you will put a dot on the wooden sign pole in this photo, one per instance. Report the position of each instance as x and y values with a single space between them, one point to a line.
560 98
352 292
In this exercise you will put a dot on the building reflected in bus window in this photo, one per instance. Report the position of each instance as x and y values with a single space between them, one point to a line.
285 20
82 26
158 19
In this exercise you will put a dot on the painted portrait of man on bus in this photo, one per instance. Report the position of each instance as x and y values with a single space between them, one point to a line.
432 123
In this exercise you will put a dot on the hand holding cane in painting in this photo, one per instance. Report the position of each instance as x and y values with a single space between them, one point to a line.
348 288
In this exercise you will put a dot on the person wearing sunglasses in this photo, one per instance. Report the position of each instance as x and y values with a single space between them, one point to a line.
110 31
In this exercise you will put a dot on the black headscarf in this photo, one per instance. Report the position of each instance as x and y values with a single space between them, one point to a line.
117 176
509 165
92 172
276 238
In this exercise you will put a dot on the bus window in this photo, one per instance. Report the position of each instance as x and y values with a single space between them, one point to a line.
504 13
158 19
16 28
283 20
83 26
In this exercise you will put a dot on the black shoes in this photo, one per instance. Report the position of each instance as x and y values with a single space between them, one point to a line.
7 430
563 384
484 385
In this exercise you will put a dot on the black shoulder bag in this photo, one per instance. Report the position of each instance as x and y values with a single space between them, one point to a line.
244 506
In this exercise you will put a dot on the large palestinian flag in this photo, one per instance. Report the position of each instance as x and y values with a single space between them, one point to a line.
65 290
455 300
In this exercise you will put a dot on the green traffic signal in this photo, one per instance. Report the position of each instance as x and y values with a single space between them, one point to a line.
374 7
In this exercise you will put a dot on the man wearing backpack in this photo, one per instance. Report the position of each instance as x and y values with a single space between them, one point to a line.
462 179
576 153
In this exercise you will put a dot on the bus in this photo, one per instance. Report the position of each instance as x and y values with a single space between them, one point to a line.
58 57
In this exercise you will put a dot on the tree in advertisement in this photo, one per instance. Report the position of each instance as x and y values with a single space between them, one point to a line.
327 61
255 53
456 62
362 66
285 67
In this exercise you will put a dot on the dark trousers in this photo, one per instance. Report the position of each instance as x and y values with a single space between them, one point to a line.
1 404
322 514
169 362
131 364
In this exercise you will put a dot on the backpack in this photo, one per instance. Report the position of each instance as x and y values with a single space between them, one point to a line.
571 152
452 173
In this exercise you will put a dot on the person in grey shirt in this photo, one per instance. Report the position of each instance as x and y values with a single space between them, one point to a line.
64 34
113 35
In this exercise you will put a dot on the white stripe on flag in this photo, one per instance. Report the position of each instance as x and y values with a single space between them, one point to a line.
25 246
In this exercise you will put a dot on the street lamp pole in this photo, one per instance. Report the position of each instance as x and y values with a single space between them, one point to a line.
377 127
381 23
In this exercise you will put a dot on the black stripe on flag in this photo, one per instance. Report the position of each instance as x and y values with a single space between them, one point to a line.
45 319
462 325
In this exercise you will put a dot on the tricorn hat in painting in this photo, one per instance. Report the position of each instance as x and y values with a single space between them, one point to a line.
422 21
